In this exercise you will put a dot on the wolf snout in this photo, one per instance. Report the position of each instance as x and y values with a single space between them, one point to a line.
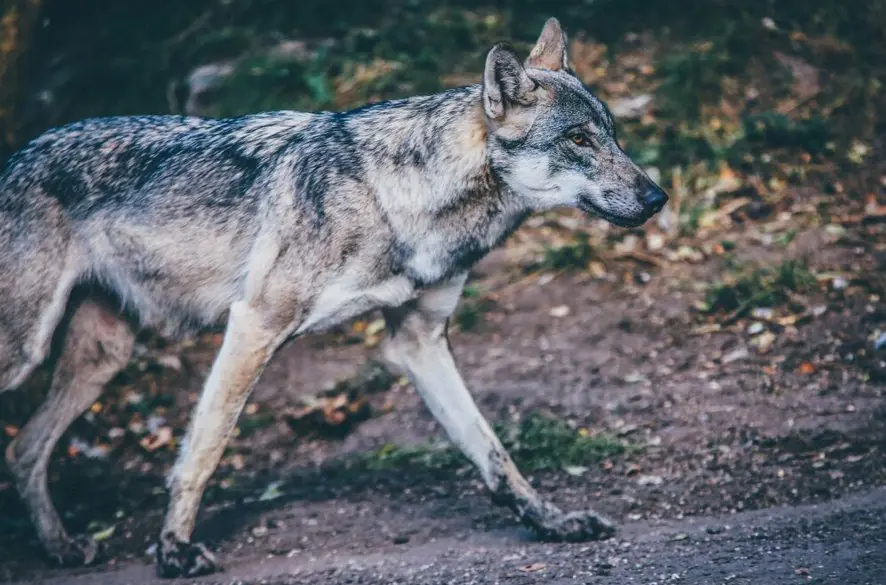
653 200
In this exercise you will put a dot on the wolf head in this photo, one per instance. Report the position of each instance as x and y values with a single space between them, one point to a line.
553 142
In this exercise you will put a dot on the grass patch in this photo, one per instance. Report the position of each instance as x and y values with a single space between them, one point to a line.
775 130
536 443
763 287
474 305
574 255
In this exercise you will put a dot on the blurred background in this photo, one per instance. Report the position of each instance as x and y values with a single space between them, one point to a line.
729 356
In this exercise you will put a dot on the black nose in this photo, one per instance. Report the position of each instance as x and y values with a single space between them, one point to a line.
654 199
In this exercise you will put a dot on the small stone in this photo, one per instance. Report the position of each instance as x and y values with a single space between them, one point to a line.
756 328
559 312
654 480
764 341
171 361
764 313
735 355
654 242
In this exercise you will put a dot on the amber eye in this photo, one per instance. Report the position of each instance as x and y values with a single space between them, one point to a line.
579 139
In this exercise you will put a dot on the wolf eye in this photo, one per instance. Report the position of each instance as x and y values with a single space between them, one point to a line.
579 139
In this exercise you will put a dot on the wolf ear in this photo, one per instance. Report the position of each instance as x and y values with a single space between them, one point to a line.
550 49
505 82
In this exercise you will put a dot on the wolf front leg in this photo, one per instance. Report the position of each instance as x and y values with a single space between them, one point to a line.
418 344
248 345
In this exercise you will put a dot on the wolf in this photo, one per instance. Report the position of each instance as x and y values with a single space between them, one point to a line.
276 225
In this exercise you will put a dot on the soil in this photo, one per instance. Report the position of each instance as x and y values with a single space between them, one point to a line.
751 465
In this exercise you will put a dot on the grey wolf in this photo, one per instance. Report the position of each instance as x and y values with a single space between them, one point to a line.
280 224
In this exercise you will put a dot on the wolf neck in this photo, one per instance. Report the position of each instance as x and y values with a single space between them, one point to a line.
445 205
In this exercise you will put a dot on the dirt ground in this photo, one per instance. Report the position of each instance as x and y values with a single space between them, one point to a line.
749 462
719 398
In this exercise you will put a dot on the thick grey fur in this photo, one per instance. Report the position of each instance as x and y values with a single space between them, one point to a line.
279 224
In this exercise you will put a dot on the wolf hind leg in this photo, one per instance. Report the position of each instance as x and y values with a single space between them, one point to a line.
97 344
34 293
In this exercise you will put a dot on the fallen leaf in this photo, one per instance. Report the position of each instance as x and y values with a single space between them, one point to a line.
154 441
764 341
10 430
272 492
375 327
689 254
104 534
597 269
806 368
533 568
705 329
858 152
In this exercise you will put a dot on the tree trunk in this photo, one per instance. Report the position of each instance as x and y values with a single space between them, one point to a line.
18 24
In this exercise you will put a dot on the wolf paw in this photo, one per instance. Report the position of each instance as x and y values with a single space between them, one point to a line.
575 527
183 559
79 551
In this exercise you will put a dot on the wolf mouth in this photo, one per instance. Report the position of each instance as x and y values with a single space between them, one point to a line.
620 221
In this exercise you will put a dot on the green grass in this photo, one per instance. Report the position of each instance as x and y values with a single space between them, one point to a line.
574 255
474 305
762 287
536 443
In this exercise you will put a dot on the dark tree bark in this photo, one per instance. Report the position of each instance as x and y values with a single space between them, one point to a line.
19 20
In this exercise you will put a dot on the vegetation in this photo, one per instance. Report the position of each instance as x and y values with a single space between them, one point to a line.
536 443
762 287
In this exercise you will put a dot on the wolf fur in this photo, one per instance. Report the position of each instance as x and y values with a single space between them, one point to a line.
281 224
